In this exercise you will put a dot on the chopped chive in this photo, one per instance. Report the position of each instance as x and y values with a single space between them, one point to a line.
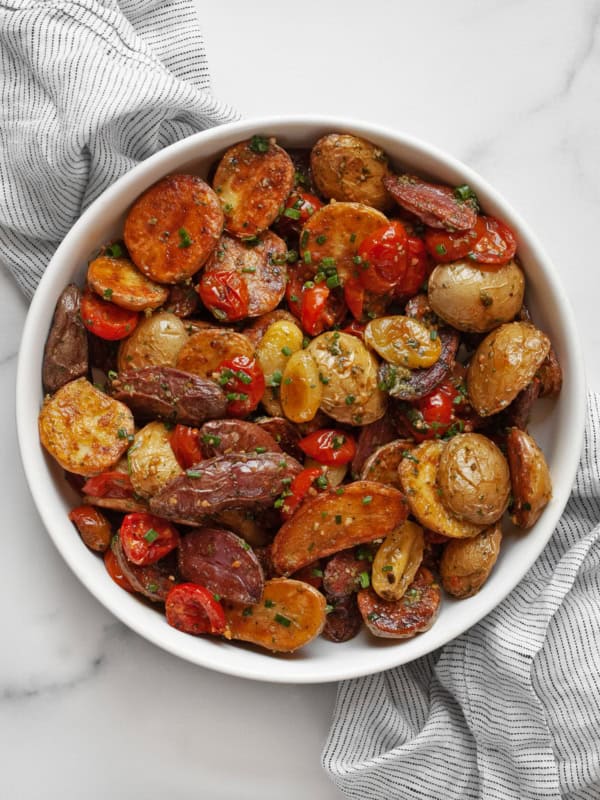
387 568
152 587
259 144
287 351
316 573
185 240
269 603
107 294
248 270
151 535
247 612
441 249
321 239
350 399
216 597
365 580
115 250
433 334
193 473
260 450
338 519
321 482
283 620
215 441
307 257
367 499
333 282
323 378
292 213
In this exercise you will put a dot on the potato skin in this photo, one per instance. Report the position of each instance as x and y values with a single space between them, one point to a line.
83 429
346 167
204 351
474 479
476 300
466 563
155 342
252 184
530 478
382 465
122 282
352 393
397 561
66 352
173 227
503 365
152 462
418 476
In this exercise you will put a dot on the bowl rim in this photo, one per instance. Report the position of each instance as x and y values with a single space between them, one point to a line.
155 167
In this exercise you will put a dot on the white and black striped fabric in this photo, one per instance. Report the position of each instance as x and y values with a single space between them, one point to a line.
87 89
508 711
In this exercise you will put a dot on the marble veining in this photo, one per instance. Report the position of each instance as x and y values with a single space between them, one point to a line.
87 708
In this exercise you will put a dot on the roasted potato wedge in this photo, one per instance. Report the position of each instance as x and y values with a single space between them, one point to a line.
466 563
382 465
403 341
155 342
290 614
347 371
414 613
550 375
152 462
337 520
474 479
418 476
346 167
397 560
335 232
204 351
473 299
172 229
503 365
260 264
83 429
344 571
301 391
66 352
118 280
253 180
530 478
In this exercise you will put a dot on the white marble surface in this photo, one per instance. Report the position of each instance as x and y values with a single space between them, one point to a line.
87 708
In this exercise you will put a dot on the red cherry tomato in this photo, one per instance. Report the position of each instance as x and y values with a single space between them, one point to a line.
193 609
105 319
489 242
185 443
383 257
115 571
146 538
355 328
243 382
109 484
313 309
416 269
225 294
433 415
299 208
329 446
354 295
299 488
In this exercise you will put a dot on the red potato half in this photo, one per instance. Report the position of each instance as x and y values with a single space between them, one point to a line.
172 229
336 520
414 613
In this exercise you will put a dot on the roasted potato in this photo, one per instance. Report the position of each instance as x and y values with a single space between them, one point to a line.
397 561
260 264
503 365
83 429
93 527
258 326
172 229
346 167
301 391
204 351
253 180
418 476
66 352
382 465
221 437
403 341
290 614
474 299
155 342
474 479
347 371
118 280
530 478
335 232
434 204
246 524
466 563
336 520
152 462
281 339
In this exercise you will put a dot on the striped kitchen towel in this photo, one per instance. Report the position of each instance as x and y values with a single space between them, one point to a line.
508 711
88 89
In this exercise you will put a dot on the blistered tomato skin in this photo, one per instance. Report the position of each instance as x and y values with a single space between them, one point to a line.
193 609
329 446
383 258
147 538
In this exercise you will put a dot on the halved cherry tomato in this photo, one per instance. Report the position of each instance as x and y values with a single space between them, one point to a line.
354 295
417 268
433 415
355 328
489 242
313 307
193 609
146 539
299 208
225 295
93 527
329 446
185 443
115 571
300 487
383 257
105 319
243 382
109 484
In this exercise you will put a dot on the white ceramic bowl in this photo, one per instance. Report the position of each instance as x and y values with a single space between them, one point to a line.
558 425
